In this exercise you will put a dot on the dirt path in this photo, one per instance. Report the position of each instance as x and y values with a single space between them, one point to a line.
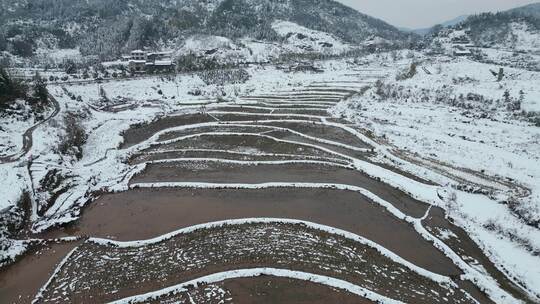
275 157
28 135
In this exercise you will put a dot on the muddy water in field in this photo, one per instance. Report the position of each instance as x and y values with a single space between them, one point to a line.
259 117
176 154
308 173
146 213
139 133
276 106
212 129
243 142
323 132
264 290
21 281
297 105
457 239
310 129
266 110
292 99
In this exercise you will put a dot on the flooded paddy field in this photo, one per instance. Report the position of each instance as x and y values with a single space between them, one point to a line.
263 201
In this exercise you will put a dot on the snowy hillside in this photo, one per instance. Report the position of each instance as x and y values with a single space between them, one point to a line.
107 29
300 39
515 30
213 47
295 39
514 34
452 117
531 9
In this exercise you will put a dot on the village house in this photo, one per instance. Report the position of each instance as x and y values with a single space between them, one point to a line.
462 45
137 62
461 40
142 61
461 51
159 62
138 55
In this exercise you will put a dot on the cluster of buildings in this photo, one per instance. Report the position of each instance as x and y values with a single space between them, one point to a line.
461 43
142 61
462 46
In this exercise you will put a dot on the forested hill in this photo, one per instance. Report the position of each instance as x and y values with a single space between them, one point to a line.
516 29
107 28
507 29
531 10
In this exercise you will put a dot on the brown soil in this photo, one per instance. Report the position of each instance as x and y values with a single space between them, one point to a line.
100 272
21 281
144 157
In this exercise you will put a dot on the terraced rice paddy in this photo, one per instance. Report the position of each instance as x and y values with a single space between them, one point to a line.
262 201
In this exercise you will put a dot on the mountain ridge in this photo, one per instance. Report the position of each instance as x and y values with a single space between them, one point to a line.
517 29
105 28
532 9
425 31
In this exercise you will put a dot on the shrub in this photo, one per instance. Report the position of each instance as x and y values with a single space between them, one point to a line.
222 77
75 136
10 89
70 67
195 92
408 74
23 48
40 94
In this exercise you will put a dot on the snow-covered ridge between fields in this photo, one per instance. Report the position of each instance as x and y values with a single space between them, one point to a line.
255 272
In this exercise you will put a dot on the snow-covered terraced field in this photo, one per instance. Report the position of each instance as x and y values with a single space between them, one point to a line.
221 246
271 185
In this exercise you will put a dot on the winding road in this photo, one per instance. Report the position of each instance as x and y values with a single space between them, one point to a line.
28 135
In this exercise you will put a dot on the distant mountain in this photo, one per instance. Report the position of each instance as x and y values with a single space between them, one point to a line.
455 21
107 28
531 10
425 31
517 29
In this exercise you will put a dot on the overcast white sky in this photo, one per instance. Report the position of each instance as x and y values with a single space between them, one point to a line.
426 13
